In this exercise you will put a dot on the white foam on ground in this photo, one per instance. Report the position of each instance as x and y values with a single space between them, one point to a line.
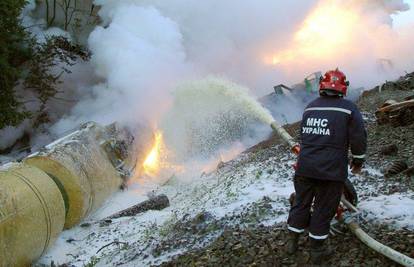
226 191
396 209
219 193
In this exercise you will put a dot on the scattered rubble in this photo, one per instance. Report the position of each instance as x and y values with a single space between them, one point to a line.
396 168
396 113
388 144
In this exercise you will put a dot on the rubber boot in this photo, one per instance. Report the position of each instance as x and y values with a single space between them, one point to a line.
320 250
292 243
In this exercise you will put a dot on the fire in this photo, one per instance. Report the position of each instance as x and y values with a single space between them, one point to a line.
152 162
157 163
326 30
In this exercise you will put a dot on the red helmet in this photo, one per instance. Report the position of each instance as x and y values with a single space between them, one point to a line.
334 80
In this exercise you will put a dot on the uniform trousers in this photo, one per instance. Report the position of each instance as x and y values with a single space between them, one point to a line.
315 204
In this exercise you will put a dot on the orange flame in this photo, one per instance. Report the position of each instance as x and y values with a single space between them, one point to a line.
324 31
152 162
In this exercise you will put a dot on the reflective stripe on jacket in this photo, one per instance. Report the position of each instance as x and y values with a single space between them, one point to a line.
330 125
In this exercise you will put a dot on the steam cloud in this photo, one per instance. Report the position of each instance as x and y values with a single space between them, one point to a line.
144 48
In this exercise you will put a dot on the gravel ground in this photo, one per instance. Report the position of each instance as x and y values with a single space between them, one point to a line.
265 246
259 245
381 136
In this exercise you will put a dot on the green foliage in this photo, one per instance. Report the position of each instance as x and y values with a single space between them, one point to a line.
13 52
43 65
92 262
49 61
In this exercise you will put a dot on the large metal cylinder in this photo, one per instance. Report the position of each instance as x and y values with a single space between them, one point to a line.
82 170
32 214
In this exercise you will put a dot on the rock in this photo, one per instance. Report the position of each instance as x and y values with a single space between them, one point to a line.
389 150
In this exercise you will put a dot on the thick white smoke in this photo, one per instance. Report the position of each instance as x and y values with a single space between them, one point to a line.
138 56
144 48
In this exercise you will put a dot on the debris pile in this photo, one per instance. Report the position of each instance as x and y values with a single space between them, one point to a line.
396 113
389 115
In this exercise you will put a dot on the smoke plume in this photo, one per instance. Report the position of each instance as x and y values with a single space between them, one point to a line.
144 48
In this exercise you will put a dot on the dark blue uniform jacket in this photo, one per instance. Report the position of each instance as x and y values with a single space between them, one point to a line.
330 125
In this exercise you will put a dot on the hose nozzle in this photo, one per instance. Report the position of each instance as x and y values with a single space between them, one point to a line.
285 136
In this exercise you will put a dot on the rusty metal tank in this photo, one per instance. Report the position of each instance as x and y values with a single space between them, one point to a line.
32 214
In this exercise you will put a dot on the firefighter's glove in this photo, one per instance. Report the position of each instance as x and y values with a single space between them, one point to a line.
356 165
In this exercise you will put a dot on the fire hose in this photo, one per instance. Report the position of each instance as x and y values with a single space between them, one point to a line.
348 218
371 242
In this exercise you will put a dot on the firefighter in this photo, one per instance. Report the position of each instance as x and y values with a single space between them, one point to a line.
330 126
